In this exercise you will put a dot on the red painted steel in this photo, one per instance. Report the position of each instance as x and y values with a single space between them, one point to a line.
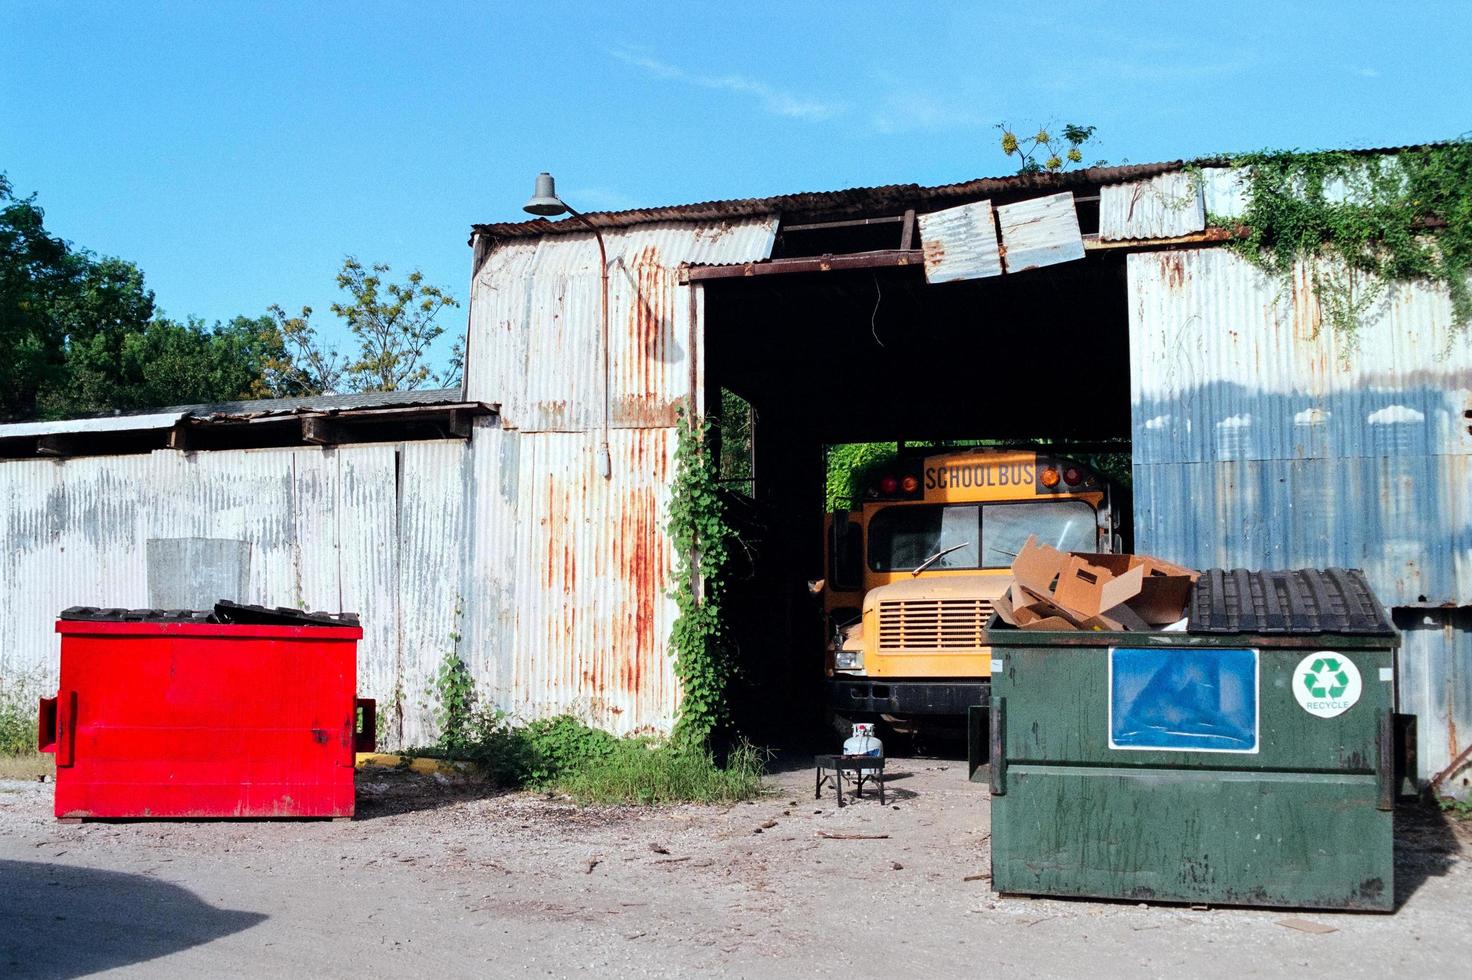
202 720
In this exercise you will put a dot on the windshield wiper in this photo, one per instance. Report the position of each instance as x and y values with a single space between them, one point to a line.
937 557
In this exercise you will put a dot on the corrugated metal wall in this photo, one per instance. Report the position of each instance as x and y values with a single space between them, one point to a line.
320 526
534 323
567 605
551 582
1264 439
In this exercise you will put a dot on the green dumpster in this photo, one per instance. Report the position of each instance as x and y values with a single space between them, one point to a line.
1247 760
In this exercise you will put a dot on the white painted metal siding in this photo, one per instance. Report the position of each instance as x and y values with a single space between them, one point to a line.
326 529
1166 206
1040 232
960 243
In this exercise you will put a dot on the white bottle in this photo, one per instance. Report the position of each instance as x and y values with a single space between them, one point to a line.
863 742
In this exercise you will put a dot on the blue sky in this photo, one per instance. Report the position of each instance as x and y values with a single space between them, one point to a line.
237 152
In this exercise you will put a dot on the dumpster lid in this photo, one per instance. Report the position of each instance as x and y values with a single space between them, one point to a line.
96 614
239 613
1305 600
225 611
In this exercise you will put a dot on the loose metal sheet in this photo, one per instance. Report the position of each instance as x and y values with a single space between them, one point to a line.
960 243
1040 232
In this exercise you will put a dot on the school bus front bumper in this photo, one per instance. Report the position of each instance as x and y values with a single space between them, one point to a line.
855 695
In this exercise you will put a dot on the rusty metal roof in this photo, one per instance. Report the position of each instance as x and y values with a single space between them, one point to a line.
887 199
891 198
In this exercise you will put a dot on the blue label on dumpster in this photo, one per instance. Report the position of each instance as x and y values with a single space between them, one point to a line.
1183 700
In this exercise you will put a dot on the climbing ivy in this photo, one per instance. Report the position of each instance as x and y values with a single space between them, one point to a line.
1377 218
702 541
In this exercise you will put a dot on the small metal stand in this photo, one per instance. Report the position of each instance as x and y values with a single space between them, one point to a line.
863 767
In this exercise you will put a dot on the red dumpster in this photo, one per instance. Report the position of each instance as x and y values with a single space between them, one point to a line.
181 715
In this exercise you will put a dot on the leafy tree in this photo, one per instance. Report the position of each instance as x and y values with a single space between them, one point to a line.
1045 152
170 363
393 325
54 298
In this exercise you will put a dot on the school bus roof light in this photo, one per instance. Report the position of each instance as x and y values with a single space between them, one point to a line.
910 483
1049 478
888 484
1072 476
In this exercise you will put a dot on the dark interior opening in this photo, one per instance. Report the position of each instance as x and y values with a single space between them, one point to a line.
876 355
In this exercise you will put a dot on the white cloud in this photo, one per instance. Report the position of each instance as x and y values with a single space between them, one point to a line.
773 100
1367 72
908 110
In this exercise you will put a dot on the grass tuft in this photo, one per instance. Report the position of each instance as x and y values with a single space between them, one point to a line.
563 755
644 771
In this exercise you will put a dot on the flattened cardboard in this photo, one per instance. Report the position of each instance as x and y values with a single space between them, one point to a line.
1037 566
1164 590
1002 606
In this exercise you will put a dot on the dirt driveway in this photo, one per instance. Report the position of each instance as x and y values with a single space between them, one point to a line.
439 879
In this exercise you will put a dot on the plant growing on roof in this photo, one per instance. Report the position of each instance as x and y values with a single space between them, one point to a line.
702 540
1046 151
1376 219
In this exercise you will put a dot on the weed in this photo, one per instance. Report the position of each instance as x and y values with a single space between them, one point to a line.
646 771
18 709
1461 809
566 756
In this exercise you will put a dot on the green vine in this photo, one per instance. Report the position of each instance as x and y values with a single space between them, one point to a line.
702 540
454 689
1378 218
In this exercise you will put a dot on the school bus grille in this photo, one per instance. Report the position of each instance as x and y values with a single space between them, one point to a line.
932 624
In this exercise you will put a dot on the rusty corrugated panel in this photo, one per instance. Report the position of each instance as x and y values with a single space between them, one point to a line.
854 202
1163 206
1262 440
535 323
1040 232
592 581
960 243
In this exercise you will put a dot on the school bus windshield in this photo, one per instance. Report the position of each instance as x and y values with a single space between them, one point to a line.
902 537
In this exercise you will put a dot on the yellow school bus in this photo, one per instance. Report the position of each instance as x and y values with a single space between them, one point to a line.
913 571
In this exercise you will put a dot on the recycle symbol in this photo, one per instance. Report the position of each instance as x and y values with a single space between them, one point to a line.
1326 678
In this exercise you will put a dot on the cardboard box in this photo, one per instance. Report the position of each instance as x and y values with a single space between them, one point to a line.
1164 590
1084 591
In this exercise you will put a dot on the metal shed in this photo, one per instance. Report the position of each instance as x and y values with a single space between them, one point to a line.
1257 440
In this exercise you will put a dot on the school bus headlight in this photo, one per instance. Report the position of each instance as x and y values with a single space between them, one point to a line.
1049 478
848 660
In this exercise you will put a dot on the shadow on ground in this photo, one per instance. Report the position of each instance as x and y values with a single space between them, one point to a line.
63 921
1427 842
390 792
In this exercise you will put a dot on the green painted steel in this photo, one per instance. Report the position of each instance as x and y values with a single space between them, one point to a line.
1304 821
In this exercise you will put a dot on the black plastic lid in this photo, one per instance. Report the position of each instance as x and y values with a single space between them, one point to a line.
94 614
234 612
1306 600
225 611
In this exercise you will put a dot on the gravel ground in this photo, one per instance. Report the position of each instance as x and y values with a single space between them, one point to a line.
442 877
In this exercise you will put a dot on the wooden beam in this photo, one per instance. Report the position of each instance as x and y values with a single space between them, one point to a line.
460 422
321 430
851 223
907 234
56 445
179 437
884 259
